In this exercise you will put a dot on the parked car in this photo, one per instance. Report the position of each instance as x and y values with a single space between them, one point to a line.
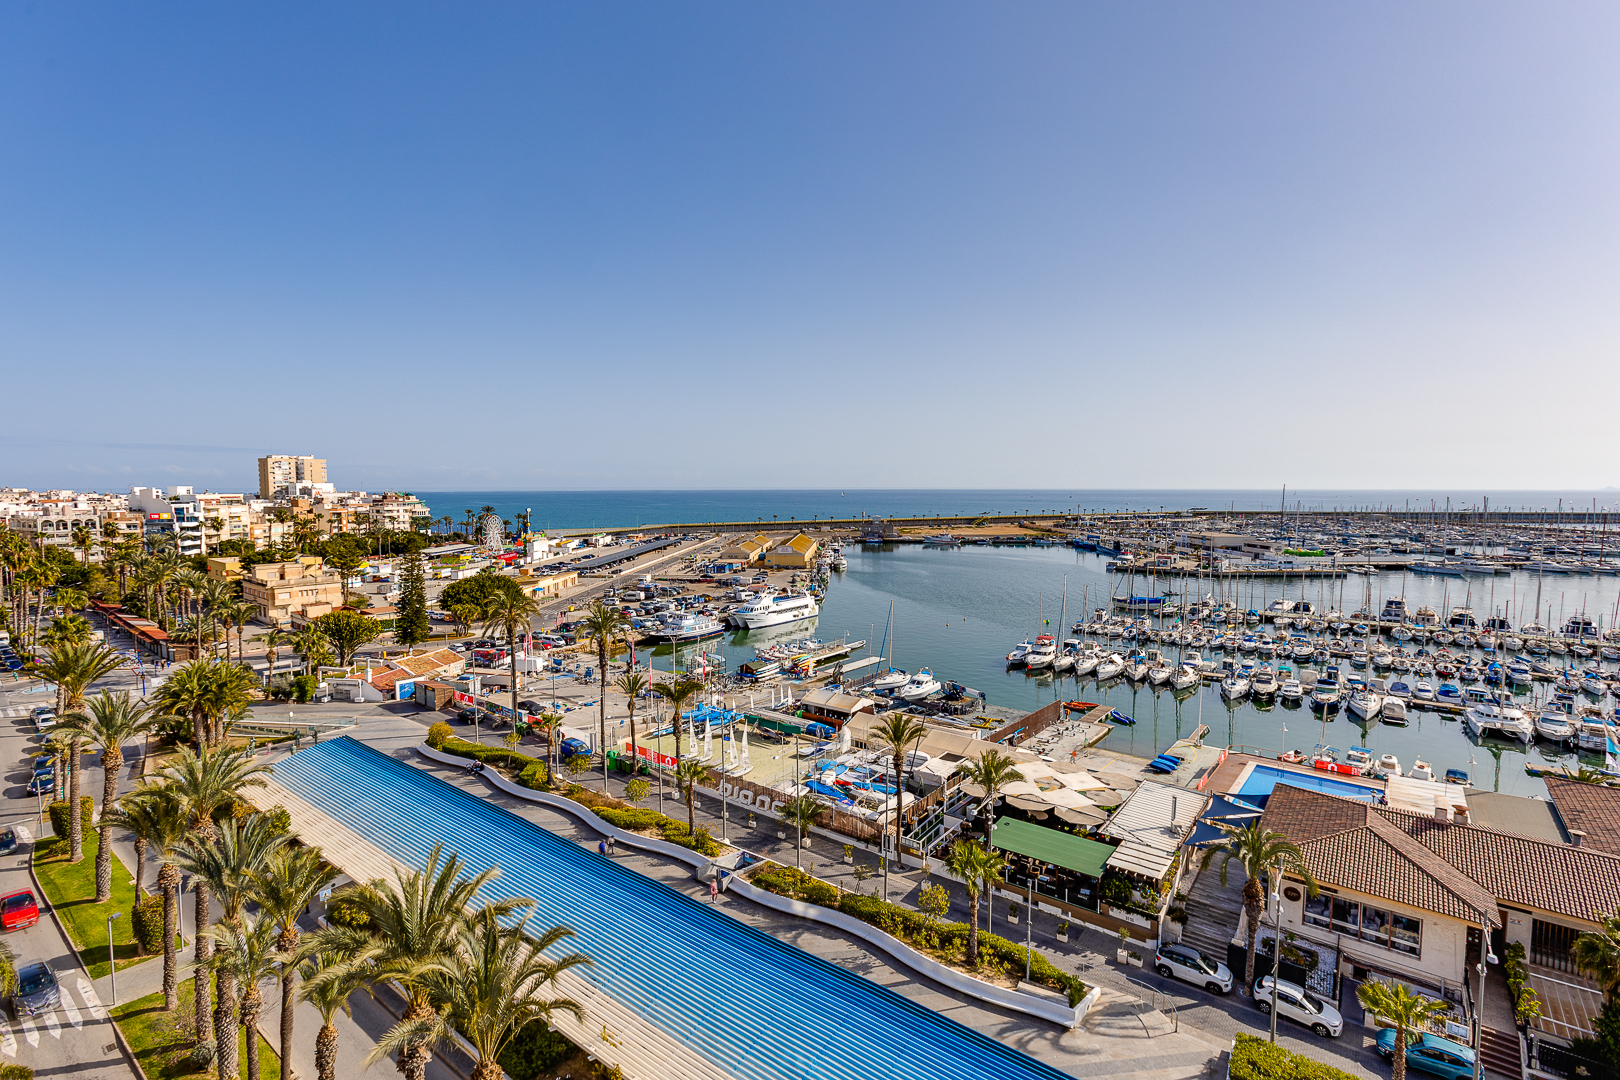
572 747
1189 965
466 716
37 991
1432 1054
1299 1005
8 840
42 783
18 910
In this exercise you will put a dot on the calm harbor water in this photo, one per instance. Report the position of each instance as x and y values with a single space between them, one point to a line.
959 611
604 509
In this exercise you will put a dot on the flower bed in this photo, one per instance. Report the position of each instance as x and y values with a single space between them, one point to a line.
946 942
1254 1058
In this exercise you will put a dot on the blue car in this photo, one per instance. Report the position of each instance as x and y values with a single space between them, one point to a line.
1432 1054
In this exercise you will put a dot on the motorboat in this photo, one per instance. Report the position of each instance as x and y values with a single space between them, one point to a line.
1484 718
1366 704
1235 686
1422 770
894 679
919 686
1020 653
776 609
1448 693
1400 691
1085 663
1110 667
1360 757
686 626
1557 722
1393 711
1263 684
1290 690
1325 694
1386 766
1593 734
1457 776
1041 653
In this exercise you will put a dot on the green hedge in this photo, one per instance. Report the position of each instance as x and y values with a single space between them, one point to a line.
1254 1058
676 832
917 929
59 815
147 921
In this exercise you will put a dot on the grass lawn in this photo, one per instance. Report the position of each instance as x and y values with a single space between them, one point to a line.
162 1040
71 888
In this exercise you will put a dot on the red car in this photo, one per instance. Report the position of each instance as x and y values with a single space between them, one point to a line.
18 910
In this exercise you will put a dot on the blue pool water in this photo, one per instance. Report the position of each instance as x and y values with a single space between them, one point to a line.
1257 786
756 1006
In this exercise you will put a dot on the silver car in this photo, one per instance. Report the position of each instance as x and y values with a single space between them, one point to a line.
1177 961
1299 1005
37 991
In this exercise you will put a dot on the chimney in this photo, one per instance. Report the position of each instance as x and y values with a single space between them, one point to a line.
1577 836
1442 813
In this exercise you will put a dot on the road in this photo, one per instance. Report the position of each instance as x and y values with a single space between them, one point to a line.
77 1038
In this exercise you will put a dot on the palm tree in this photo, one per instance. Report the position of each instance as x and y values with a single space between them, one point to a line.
202 783
631 684
978 867
413 923
8 970
107 723
216 595
294 877
992 772
898 733
1406 1012
231 861
803 812
243 959
330 979
688 774
312 645
677 694
73 668
83 538
498 980
1597 953
510 610
275 639
605 625
1257 851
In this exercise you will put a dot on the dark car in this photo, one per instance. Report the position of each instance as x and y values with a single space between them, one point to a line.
467 716
573 747
42 783
37 991
18 910
8 840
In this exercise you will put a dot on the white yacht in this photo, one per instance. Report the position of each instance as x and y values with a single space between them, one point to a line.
1085 663
1487 718
686 626
1041 653
1020 653
1264 682
1290 690
1557 723
1110 667
893 679
1184 677
920 686
1422 770
1235 686
776 609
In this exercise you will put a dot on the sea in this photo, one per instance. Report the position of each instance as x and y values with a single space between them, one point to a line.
620 509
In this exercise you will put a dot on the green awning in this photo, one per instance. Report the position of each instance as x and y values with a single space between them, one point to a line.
1050 846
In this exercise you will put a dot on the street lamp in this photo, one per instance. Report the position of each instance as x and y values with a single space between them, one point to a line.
1276 948
1488 957
112 965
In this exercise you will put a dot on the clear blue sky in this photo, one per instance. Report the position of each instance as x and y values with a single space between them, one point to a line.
685 245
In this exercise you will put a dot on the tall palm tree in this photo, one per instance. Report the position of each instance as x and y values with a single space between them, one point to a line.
511 611
230 861
1406 1012
1597 953
238 613
190 585
898 733
605 626
83 539
107 722
293 878
1257 851
993 772
156 818
310 644
677 694
413 923
215 595
978 868
243 959
488 988
74 668
202 784
688 774
330 978
275 639
631 684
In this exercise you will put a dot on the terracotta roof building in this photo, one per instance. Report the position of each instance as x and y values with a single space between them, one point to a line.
1589 813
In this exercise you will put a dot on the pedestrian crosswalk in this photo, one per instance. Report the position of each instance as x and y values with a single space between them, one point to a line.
13 711
51 1023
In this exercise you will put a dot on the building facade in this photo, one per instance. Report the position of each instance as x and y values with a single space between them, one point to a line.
277 472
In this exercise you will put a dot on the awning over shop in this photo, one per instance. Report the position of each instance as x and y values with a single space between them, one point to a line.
1050 846
1140 859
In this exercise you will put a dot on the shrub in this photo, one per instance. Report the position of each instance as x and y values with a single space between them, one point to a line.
439 734
147 921
59 815
535 775
1253 1058
533 1050
303 688
630 819
489 755
343 912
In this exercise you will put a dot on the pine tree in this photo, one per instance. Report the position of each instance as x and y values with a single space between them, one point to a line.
411 624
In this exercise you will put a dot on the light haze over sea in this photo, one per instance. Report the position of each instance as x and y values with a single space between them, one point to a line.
607 509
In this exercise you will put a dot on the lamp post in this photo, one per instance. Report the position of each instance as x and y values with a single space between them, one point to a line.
1276 947
112 965
1486 957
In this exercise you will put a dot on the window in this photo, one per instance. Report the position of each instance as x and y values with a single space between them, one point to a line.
1345 919
1317 908
1406 934
1375 926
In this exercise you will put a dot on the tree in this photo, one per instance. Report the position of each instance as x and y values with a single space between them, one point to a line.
243 959
311 644
1406 1012
293 878
802 812
1597 953
412 924
231 862
330 978
488 988
606 625
993 771
631 684
677 694
464 614
157 818
107 723
346 631
1257 851
688 774
474 591
512 611
202 783
74 668
275 639
898 733
411 626
979 868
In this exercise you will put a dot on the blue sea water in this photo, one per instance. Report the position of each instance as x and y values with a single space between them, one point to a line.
608 509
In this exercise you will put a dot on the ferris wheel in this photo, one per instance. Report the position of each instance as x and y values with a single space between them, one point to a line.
493 530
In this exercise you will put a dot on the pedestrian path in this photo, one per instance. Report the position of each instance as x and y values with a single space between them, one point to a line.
74 988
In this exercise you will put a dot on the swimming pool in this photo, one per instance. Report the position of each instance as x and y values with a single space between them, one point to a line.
756 1006
1258 783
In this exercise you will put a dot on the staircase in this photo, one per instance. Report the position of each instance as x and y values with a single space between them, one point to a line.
1499 1052
1213 911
